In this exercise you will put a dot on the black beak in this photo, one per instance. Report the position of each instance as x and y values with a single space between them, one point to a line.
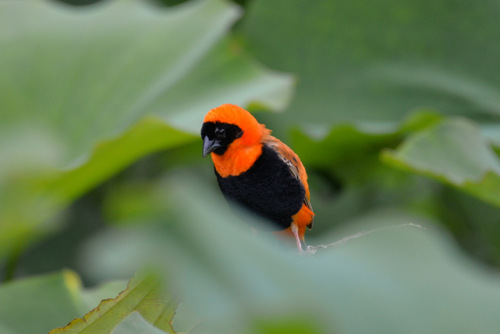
210 145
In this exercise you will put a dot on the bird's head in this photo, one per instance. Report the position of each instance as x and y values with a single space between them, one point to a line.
230 126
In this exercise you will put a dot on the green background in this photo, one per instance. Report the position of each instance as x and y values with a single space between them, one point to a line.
392 106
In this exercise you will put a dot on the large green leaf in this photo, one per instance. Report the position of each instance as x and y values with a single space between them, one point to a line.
453 152
103 86
38 304
144 295
394 280
403 167
373 61
362 67
353 151
25 155
91 74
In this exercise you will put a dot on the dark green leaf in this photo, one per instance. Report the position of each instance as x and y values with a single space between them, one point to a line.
369 62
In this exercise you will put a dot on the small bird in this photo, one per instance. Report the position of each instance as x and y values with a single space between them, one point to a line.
257 170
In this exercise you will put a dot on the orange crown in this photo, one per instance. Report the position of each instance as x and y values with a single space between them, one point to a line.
253 131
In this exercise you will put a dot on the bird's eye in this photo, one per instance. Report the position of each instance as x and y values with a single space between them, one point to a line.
220 133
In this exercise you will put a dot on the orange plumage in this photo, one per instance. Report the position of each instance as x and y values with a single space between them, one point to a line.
257 170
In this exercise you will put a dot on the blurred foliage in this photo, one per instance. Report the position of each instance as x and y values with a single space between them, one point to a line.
393 106
38 304
142 302
373 62
95 107
162 2
398 279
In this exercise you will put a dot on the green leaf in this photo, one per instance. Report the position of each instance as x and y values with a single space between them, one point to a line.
45 301
371 62
396 279
110 156
38 304
352 152
25 152
93 296
143 294
455 153
103 86
134 324
130 61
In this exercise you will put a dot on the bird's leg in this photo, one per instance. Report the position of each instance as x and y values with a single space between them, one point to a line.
295 232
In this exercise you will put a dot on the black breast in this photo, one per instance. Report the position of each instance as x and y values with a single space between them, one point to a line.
268 188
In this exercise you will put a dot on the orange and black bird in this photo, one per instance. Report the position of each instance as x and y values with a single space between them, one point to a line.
257 170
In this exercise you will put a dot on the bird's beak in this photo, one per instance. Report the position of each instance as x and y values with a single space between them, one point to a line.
209 146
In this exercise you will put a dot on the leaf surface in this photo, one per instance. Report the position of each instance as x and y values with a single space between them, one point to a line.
396 279
40 303
372 62
97 88
143 295
134 324
455 153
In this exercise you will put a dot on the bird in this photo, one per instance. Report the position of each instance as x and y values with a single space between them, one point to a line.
257 170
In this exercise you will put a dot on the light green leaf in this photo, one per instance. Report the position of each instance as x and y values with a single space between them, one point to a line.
144 294
38 304
91 297
25 155
109 156
492 132
136 324
455 153
126 60
103 86
396 279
